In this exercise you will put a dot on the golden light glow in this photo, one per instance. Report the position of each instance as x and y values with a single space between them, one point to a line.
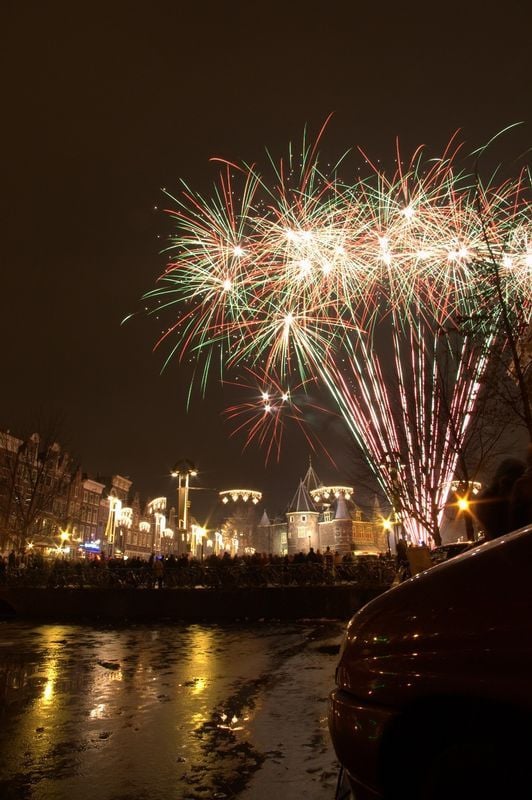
199 685
324 492
240 494
463 504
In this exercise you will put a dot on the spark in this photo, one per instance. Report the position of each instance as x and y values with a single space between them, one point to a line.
349 283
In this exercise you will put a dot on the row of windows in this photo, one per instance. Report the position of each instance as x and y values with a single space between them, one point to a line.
90 497
134 538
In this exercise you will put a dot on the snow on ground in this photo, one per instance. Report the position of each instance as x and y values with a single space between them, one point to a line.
291 729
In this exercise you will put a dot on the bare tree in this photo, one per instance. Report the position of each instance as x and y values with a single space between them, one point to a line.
35 474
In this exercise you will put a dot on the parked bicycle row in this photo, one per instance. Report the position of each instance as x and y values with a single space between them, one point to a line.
176 573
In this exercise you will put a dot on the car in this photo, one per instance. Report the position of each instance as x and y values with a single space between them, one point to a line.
449 550
433 695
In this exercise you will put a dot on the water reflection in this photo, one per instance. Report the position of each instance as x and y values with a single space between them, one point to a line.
169 707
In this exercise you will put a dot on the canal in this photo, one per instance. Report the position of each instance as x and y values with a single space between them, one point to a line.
166 711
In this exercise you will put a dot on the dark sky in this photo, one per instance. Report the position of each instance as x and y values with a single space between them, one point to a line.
103 104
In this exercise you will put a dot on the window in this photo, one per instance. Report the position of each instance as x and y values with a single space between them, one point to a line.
291 519
303 518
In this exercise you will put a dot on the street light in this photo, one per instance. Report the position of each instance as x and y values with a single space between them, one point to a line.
464 491
183 471
387 525
392 462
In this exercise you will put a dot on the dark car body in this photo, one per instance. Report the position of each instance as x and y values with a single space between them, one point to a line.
434 683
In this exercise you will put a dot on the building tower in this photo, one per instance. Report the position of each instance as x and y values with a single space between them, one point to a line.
302 518
311 480
343 527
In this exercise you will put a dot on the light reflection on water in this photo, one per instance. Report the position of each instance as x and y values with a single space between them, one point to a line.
131 713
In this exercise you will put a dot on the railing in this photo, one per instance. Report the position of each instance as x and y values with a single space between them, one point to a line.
378 573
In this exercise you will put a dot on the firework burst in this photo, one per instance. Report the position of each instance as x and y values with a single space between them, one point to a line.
360 285
272 404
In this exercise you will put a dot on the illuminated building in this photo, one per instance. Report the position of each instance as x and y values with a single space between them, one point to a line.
322 516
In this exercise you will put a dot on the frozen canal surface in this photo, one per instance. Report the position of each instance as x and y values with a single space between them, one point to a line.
166 712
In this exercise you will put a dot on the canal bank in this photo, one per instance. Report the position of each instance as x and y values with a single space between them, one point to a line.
191 605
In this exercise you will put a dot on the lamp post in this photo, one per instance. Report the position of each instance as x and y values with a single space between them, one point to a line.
183 471
64 536
392 463
387 527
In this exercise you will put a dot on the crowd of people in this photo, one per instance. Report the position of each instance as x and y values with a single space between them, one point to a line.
223 569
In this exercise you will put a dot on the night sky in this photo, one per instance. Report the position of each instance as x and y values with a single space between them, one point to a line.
104 104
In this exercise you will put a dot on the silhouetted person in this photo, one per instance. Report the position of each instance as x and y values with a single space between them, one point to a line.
402 553
158 572
521 499
492 507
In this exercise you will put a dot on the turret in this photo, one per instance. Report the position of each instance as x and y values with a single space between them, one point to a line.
302 521
343 527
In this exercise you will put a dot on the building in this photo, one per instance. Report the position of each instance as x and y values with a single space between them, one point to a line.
84 499
35 476
321 516
302 522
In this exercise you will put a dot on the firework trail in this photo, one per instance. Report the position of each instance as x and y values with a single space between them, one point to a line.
361 284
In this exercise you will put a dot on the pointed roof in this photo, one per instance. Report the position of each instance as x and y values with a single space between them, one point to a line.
311 480
264 521
341 509
302 500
